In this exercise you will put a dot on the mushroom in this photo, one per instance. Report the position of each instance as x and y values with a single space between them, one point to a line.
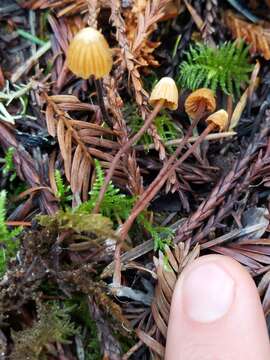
220 119
217 120
164 95
89 55
200 102
166 90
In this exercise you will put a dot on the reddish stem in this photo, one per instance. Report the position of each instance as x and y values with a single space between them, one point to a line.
124 149
160 180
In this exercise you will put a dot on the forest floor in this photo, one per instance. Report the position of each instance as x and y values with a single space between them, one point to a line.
108 192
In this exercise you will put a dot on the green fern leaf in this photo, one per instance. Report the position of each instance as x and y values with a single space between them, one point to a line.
63 190
114 205
225 67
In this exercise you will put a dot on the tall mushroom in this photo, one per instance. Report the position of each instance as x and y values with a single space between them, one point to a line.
218 120
164 95
89 55
166 90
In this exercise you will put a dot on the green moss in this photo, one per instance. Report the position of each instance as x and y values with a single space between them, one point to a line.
52 325
8 243
92 351
166 128
96 224
81 314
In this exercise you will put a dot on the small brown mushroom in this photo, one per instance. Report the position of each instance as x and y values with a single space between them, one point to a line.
166 90
164 95
89 55
200 102
220 119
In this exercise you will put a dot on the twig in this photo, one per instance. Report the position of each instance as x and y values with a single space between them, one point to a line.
30 37
124 149
215 136
30 62
241 168
232 235
22 90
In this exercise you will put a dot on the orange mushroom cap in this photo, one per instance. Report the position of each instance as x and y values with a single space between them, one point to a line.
89 54
202 99
166 90
220 118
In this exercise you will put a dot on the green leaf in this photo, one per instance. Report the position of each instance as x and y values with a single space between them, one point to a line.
225 67
114 205
63 190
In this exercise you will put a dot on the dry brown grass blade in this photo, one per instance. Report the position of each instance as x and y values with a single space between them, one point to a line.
195 16
264 291
130 164
258 36
77 159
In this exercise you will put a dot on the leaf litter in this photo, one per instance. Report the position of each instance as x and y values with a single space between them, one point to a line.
99 218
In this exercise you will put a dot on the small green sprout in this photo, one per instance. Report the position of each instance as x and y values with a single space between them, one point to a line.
63 191
114 205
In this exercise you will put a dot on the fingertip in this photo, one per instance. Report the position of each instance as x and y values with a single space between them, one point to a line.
215 305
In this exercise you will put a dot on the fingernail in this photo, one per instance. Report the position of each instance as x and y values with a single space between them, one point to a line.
208 293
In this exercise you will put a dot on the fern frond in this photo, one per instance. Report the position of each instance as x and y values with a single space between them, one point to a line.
63 190
161 235
114 205
225 67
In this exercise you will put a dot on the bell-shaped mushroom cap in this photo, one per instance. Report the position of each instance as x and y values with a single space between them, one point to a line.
220 118
201 100
89 54
166 90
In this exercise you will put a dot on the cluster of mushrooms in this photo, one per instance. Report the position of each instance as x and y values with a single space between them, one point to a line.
89 55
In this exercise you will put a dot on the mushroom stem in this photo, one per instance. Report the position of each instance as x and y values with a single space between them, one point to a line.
124 149
163 175
99 88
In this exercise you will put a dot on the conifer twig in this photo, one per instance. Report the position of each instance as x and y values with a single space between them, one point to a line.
214 137
240 169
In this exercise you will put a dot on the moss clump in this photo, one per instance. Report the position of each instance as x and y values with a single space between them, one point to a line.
52 325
